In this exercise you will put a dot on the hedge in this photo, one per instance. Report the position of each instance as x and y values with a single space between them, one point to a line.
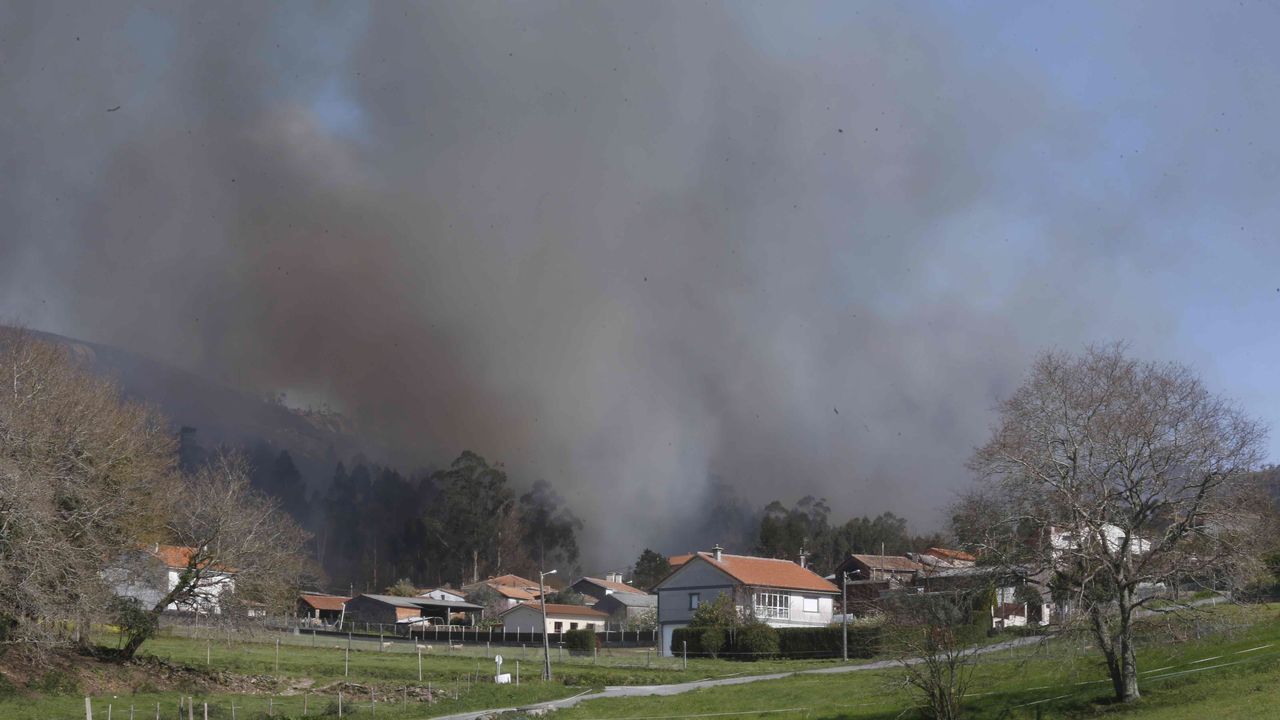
583 640
793 643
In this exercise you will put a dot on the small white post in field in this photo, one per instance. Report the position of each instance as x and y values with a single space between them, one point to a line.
88 708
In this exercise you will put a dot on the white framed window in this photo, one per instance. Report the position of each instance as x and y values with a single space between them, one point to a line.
772 605
559 626
694 601
811 605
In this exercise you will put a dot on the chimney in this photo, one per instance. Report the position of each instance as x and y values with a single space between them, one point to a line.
613 577
803 556
717 551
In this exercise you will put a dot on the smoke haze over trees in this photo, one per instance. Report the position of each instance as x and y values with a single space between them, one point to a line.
631 248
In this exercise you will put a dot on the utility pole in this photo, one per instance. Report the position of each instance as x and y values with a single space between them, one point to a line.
844 614
546 642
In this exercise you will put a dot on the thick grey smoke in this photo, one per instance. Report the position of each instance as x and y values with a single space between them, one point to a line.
622 246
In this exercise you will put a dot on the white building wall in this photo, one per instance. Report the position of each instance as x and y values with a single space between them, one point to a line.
527 619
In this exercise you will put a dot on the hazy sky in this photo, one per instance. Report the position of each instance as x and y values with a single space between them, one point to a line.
626 246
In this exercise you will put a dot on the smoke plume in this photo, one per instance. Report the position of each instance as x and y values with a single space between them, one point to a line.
626 247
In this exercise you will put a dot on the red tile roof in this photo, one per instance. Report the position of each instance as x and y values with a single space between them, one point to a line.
676 561
769 572
615 586
947 554
514 580
324 602
178 556
559 610
515 593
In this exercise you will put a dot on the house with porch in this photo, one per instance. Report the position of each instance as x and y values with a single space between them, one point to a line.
319 609
779 592
395 609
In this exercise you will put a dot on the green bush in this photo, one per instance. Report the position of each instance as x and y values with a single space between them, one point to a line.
712 641
583 640
756 641
687 639
865 641
802 643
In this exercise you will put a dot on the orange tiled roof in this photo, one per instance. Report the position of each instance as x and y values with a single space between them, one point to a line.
178 556
615 586
514 580
515 593
559 610
676 561
324 602
768 572
948 554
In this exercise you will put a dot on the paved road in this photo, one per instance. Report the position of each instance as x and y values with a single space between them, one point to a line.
618 691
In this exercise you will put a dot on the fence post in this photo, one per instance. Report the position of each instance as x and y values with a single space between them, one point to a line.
206 711
191 708
304 704
419 663
517 673
339 703
88 708
346 663
277 656
382 644
684 648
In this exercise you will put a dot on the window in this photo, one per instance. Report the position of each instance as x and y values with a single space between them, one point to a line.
559 626
772 605
573 626
694 599
811 605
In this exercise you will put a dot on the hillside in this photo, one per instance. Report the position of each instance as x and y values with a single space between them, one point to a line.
222 414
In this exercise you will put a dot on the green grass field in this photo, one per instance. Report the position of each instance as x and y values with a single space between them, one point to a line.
1224 674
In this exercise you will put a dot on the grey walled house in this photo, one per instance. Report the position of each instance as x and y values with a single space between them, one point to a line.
779 592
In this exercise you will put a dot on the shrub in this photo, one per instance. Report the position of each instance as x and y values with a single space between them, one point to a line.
689 639
583 640
712 641
756 641
801 643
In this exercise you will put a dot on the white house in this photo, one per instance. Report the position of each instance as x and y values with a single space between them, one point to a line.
527 617
1062 540
779 592
443 594
150 575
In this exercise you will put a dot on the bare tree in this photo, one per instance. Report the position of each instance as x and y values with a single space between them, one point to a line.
241 550
1116 478
930 645
82 478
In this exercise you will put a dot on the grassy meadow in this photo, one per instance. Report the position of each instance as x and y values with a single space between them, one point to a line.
1227 667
